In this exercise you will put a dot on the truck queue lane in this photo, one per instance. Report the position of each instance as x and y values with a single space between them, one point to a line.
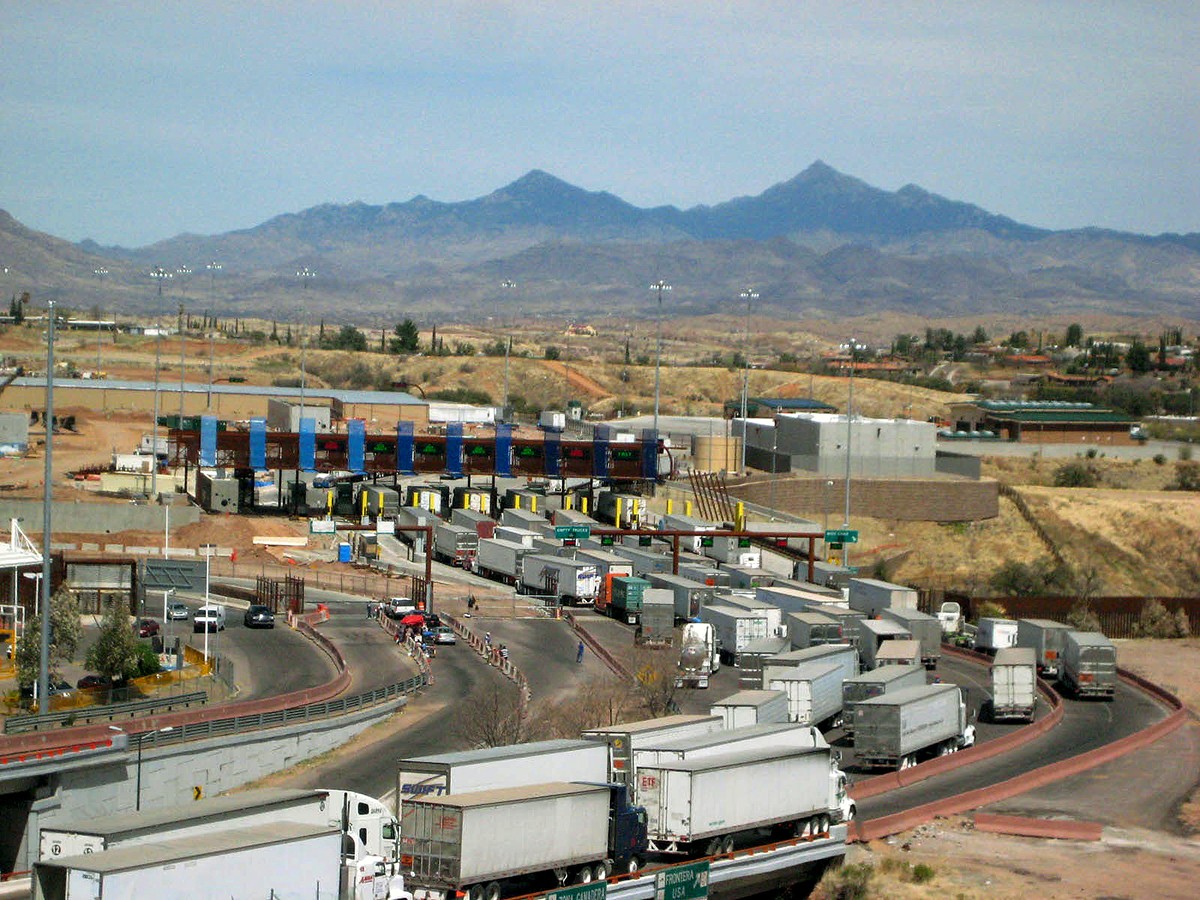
1086 725
546 650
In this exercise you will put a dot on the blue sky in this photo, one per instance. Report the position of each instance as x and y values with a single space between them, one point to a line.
132 122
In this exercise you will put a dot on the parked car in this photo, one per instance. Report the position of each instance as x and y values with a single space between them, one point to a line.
259 616
444 634
177 612
93 681
399 607
58 688
147 627
209 618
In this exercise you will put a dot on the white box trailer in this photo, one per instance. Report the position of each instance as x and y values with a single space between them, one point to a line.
797 600
814 692
251 808
284 860
872 596
645 561
1089 665
873 633
729 550
752 707
455 544
1047 638
765 736
747 601
465 843
1014 685
924 628
843 655
747 578
899 653
875 683
689 595
708 575
735 628
574 582
501 560
994 634
712 799
673 522
523 518
622 741
492 768
900 728
811 629
606 562
484 525
523 536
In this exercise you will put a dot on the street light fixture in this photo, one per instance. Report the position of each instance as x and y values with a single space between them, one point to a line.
749 294
507 284
159 274
213 268
658 286
141 739
849 436
305 275
99 272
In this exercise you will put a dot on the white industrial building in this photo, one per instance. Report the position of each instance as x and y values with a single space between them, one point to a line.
817 443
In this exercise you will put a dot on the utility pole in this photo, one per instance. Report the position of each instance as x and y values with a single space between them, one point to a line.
658 286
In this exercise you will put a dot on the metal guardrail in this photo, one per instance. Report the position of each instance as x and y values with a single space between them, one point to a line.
326 709
87 714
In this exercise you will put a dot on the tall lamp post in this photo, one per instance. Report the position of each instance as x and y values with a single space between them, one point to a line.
183 272
159 274
213 268
658 286
849 436
507 284
749 295
47 507
305 275
141 739
99 272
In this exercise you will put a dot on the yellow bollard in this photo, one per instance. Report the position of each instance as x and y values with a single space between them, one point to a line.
740 516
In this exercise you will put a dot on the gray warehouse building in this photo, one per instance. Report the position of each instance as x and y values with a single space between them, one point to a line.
817 443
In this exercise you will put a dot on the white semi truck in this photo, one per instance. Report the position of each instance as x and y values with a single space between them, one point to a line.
899 729
1014 685
708 803
624 740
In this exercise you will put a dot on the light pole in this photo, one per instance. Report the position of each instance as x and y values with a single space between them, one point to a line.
305 275
658 286
159 274
47 506
99 273
507 284
213 268
141 739
183 272
208 550
749 295
849 436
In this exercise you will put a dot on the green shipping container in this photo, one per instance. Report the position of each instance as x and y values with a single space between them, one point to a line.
627 593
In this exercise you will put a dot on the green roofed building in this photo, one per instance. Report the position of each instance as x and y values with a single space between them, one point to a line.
1042 422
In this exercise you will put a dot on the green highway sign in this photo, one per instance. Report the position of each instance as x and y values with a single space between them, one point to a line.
572 532
706 542
597 890
841 536
688 882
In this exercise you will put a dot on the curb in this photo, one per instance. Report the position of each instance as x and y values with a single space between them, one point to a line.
1021 826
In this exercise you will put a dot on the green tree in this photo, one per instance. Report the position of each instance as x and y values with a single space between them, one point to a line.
66 629
1074 336
407 339
1137 358
1076 474
117 651
348 338
980 336
552 353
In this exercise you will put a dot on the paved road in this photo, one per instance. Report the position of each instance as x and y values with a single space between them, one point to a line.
545 650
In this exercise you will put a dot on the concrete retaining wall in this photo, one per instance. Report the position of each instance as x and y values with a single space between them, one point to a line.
96 518
171 774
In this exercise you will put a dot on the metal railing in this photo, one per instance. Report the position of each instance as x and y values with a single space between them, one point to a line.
326 709
87 714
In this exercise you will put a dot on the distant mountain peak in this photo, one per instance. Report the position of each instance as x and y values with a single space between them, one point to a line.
539 183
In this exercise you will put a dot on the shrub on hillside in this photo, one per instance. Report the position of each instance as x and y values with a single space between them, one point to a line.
1076 474
1187 476
1156 622
1082 618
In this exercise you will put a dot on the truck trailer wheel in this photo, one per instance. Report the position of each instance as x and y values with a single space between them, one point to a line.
600 872
475 892
632 865
584 875
727 844
492 891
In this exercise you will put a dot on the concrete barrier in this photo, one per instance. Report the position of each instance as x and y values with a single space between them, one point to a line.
1059 829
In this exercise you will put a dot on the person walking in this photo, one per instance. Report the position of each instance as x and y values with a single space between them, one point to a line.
579 653
503 652
487 638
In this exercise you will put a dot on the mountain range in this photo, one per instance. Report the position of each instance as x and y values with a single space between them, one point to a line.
820 244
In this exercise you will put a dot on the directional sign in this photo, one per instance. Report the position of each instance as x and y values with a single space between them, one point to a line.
841 536
574 532
688 882
597 890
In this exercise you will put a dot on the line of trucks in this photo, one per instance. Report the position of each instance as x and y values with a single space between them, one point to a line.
662 789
